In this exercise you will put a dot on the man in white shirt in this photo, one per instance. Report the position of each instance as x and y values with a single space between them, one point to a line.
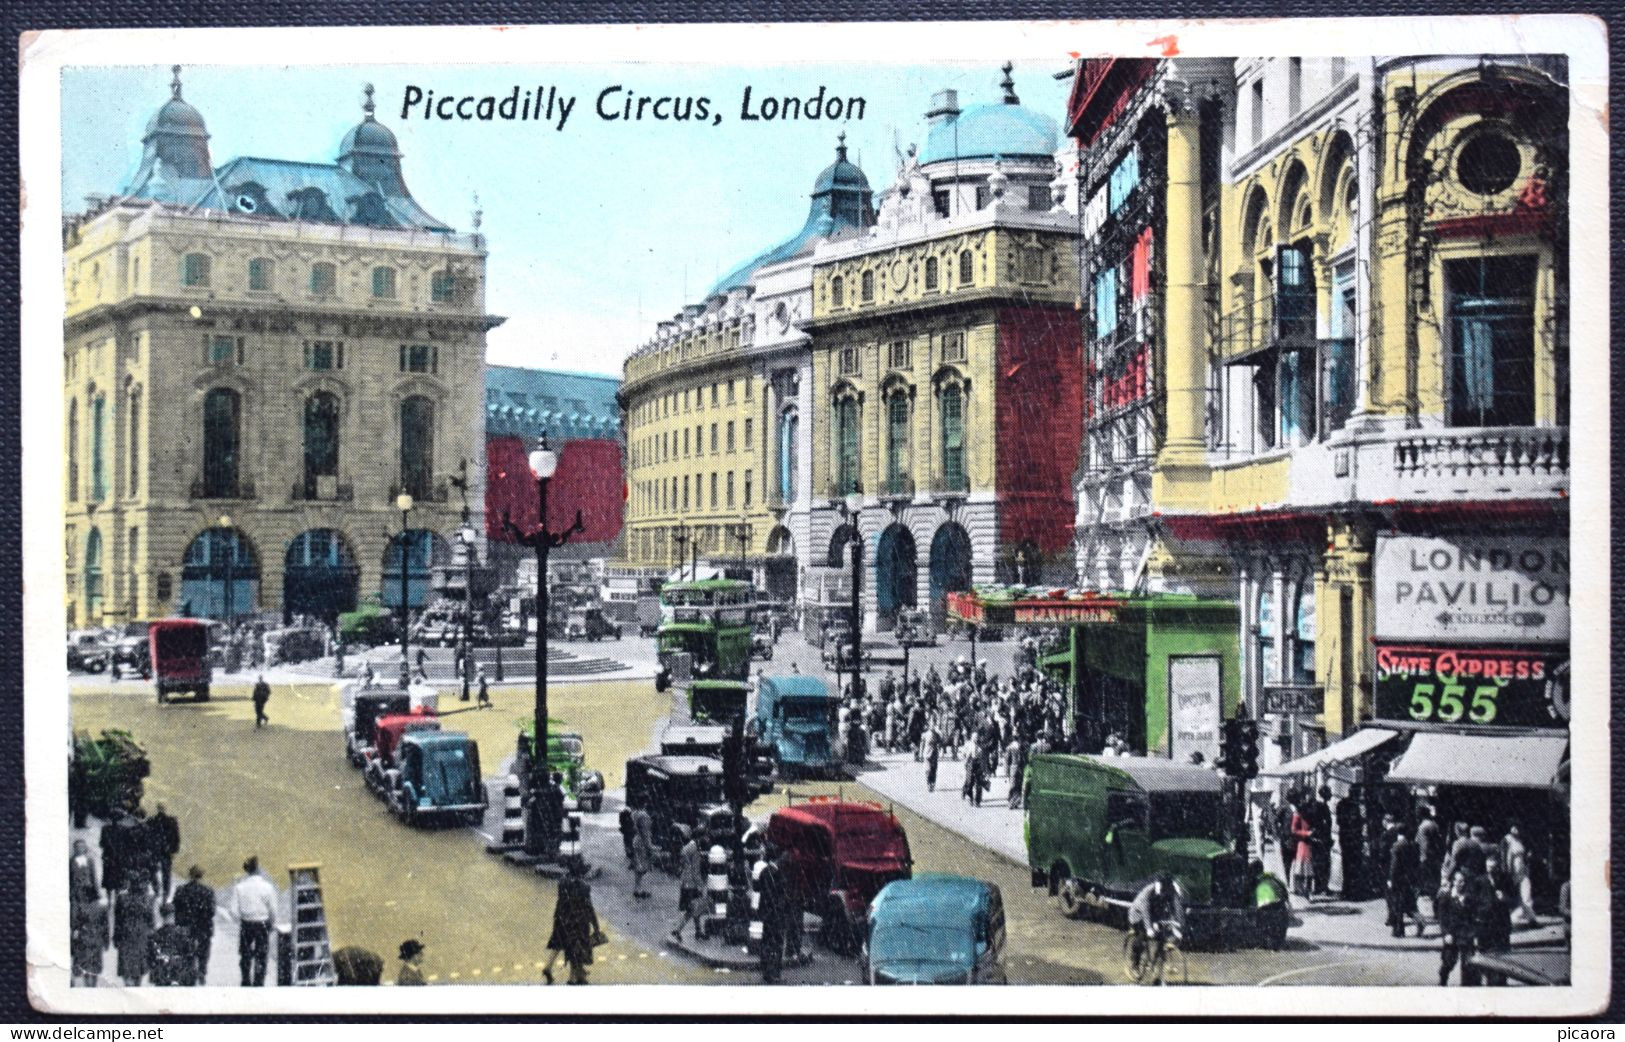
254 902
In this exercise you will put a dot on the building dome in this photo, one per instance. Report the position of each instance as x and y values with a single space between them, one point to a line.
370 152
176 137
841 173
1004 129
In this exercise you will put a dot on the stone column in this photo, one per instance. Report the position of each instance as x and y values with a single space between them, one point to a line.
1184 327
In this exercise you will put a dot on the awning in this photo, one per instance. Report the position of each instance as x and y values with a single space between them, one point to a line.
1355 745
1523 761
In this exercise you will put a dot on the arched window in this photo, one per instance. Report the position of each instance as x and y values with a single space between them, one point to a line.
73 451
222 435
98 449
846 446
1269 665
868 286
93 575
417 446
134 442
951 411
966 267
897 461
789 421
321 440
930 273
837 292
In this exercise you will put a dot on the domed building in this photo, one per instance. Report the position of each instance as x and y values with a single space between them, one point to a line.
262 358
714 406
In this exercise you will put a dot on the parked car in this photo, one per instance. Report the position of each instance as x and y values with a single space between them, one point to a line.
682 794
361 721
590 624
438 777
935 929
1098 830
87 652
566 756
841 853
381 766
132 651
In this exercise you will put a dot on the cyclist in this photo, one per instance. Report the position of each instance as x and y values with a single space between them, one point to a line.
1157 916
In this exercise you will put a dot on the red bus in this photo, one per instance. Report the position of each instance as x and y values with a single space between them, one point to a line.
180 657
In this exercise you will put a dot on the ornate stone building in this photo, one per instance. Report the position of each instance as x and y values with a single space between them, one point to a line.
259 358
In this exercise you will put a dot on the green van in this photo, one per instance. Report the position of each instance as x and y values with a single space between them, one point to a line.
1099 829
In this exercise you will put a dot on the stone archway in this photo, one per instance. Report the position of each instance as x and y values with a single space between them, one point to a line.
319 575
950 562
220 575
896 570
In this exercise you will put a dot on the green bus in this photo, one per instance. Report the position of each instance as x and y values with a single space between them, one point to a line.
710 622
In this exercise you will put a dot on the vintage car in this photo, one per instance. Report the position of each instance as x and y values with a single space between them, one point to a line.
437 776
567 757
87 651
840 854
1099 829
682 794
381 766
361 720
132 650
796 722
935 929
590 624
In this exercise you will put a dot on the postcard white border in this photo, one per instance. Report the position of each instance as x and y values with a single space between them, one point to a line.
43 56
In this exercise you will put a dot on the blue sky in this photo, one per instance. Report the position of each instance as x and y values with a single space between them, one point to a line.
595 232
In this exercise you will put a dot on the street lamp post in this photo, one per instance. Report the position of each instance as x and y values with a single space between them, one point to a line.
680 536
465 535
229 548
403 503
741 532
546 810
854 503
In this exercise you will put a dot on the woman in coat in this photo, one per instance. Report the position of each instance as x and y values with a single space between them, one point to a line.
575 923
89 940
132 928
1303 865
642 850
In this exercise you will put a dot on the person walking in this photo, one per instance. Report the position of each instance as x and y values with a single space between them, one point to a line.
82 884
1319 815
771 907
1303 865
933 754
132 928
262 695
89 939
628 830
411 971
690 883
642 850
484 689
254 901
1458 923
1429 846
163 838
1404 871
575 925
169 953
194 913
1515 861
1350 843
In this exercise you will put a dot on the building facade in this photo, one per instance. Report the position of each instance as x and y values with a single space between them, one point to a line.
1372 460
259 359
947 369
715 408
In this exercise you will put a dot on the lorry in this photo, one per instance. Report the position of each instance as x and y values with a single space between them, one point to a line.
437 776
796 722
1097 830
935 929
840 854
179 652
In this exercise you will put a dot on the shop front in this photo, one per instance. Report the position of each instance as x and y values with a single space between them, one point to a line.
1160 671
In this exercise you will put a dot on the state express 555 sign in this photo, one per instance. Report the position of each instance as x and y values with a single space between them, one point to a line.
1502 688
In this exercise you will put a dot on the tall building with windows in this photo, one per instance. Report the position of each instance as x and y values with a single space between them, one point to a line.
1363 422
716 408
947 370
259 359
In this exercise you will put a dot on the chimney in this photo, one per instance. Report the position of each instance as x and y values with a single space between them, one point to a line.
944 106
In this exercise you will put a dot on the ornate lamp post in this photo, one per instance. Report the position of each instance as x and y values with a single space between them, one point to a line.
403 503
853 504
229 548
680 536
465 536
545 806
741 532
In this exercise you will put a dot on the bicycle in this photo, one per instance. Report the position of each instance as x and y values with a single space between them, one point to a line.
1162 954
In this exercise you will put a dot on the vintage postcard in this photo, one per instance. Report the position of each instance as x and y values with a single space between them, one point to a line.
683 509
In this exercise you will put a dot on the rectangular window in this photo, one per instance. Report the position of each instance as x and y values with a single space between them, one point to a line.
897 354
967 267
134 443
849 361
983 197
939 199
713 394
750 390
713 439
383 283
730 435
323 355
442 287
1294 86
195 269
420 358
1105 299
1492 341
685 441
953 347
1125 177
730 502
730 392
323 279
131 553
930 273
747 435
1258 110
747 488
259 275
713 490
225 350
846 441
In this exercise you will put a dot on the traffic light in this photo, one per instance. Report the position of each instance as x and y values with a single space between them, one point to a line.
734 789
1247 739
1229 748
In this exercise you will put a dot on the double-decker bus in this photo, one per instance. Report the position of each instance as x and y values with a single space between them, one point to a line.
623 587
709 622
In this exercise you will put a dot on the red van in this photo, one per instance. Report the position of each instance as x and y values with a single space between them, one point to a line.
180 657
841 853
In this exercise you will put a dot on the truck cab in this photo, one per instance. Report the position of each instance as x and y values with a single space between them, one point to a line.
1099 829
796 721
438 776
936 929
840 854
